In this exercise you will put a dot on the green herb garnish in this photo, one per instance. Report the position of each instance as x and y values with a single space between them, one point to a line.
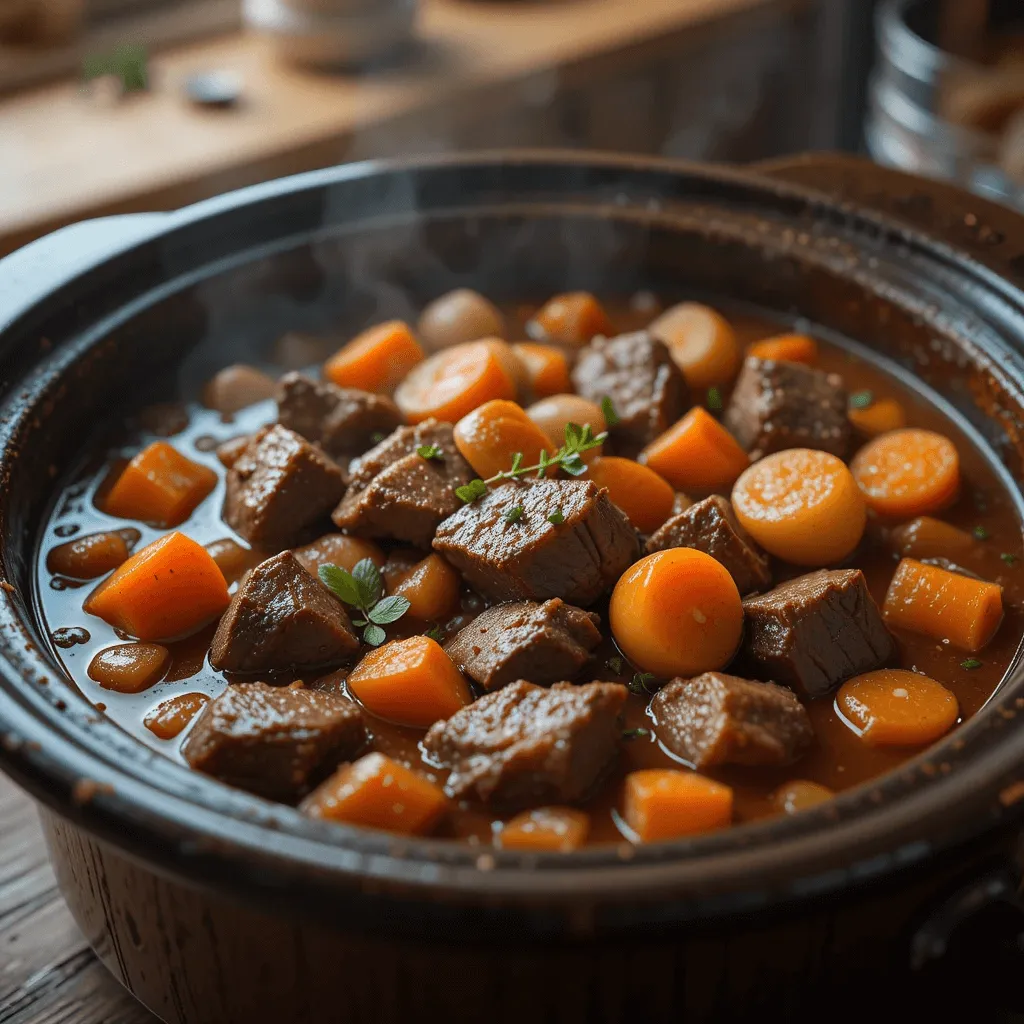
611 417
568 458
376 437
638 684
971 663
435 634
861 399
980 533
557 517
514 514
714 399
614 664
363 589
430 451
1008 558
640 733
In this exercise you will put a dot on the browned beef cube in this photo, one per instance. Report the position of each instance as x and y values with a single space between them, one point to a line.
275 741
525 745
577 559
396 493
710 526
524 640
721 719
777 405
278 486
343 421
817 630
646 388
281 618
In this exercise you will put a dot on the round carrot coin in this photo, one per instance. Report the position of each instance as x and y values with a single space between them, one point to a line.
879 417
801 505
677 613
702 343
798 795
493 433
896 708
786 348
907 473
646 499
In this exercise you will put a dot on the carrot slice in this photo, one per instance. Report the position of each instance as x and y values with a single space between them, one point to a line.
376 360
547 369
907 473
801 505
800 794
87 557
170 588
702 343
129 668
377 792
552 414
432 589
786 348
881 416
571 319
677 613
411 682
558 829
171 717
895 708
697 454
646 499
925 537
491 434
943 605
668 804
452 383
159 486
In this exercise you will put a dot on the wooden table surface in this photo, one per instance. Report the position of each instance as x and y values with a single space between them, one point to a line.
48 974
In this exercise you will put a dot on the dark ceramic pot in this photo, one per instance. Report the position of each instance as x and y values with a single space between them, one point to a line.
214 907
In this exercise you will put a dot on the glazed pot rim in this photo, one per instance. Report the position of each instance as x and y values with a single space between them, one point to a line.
959 788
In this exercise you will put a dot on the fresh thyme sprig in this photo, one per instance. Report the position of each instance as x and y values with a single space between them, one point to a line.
568 458
363 589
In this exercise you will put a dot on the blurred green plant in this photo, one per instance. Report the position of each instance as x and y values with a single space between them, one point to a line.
129 64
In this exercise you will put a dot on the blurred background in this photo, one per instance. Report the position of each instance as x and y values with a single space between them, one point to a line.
111 106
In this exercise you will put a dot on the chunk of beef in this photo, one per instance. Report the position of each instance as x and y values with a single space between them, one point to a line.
526 745
395 492
646 388
524 640
278 486
817 630
343 421
281 618
577 559
777 405
720 719
275 741
710 526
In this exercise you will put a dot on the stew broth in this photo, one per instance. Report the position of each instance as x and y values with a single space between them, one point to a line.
838 759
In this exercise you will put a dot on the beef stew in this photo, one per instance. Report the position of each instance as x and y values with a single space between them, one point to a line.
547 537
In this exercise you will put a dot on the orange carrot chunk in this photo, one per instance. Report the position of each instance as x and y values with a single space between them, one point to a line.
558 829
925 537
907 473
171 717
87 557
376 360
669 804
338 549
571 319
944 605
895 708
697 454
786 348
129 668
646 499
491 434
456 380
552 414
169 589
159 486
802 505
677 613
702 343
547 369
410 682
432 589
798 795
377 792
879 417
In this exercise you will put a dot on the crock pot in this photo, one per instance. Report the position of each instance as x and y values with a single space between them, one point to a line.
215 907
